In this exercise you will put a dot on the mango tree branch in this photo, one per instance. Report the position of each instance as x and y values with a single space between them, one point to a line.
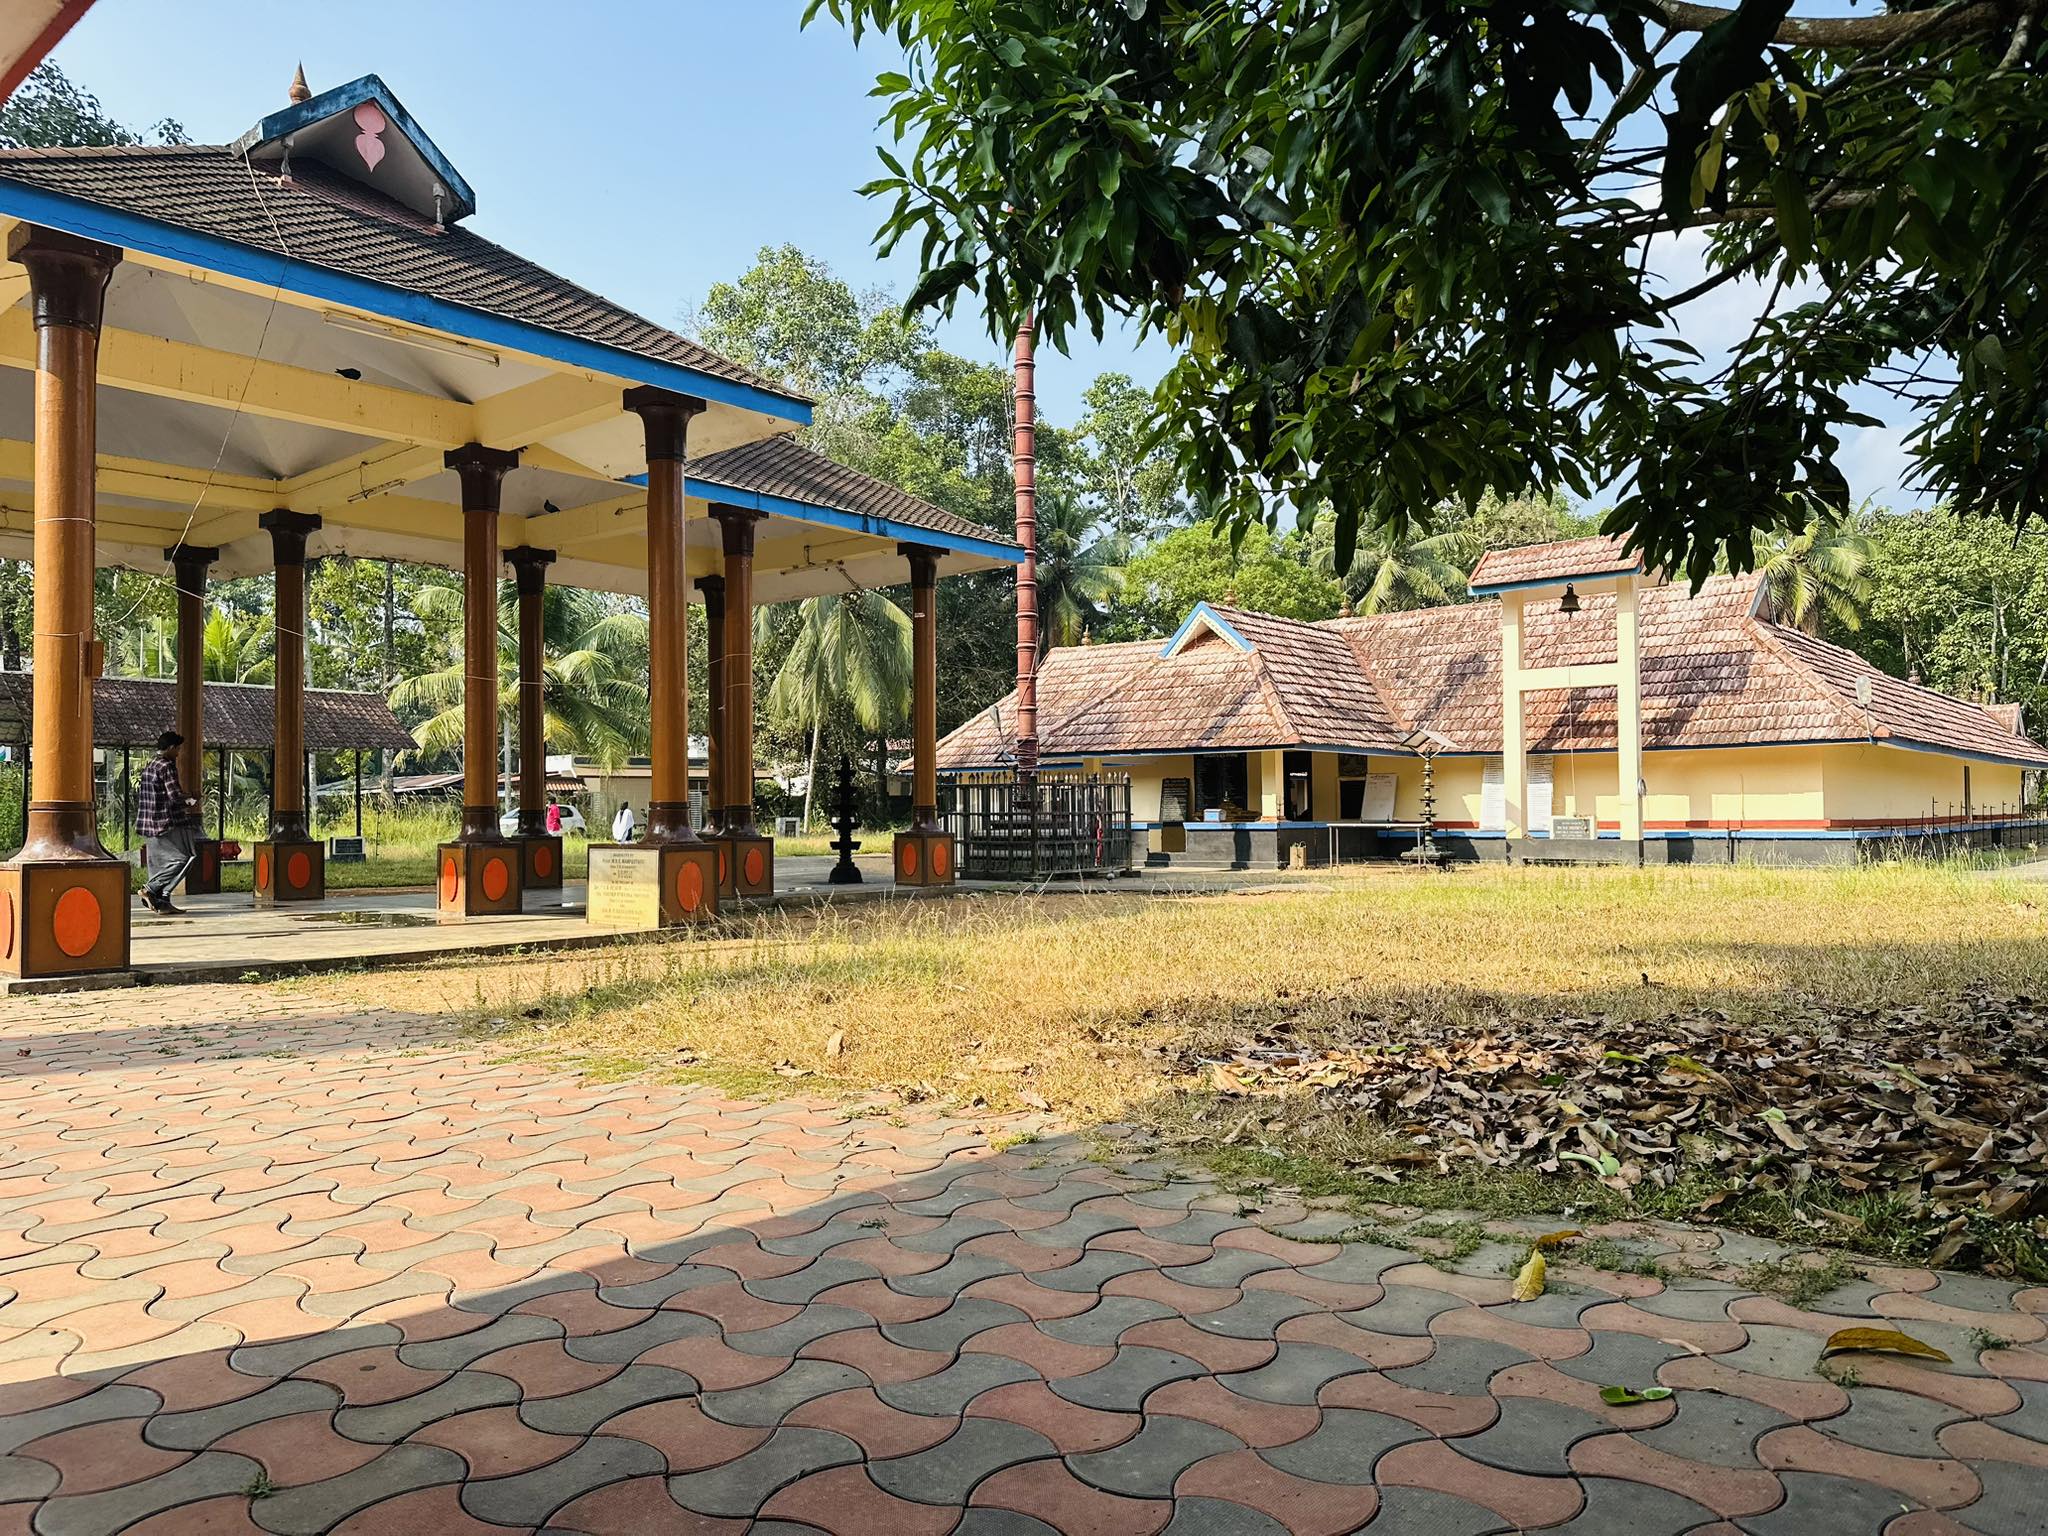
1849 31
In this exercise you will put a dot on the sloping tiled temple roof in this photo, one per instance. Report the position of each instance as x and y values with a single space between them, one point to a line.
1714 674
785 468
322 218
1562 560
134 711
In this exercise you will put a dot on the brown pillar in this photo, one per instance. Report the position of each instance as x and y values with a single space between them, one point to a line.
924 854
666 420
289 865
68 284
737 526
64 901
713 588
530 572
189 564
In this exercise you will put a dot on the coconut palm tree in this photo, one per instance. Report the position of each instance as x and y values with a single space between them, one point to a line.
1392 571
1079 571
593 671
1823 569
851 656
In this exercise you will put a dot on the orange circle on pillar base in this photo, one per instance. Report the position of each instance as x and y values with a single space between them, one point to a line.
497 879
451 878
757 866
543 860
263 871
690 887
724 871
298 871
6 925
906 860
75 924
941 857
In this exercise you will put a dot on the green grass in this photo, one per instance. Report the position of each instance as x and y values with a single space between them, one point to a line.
1798 1283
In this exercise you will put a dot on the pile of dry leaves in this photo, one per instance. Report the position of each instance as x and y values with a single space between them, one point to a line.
1950 1101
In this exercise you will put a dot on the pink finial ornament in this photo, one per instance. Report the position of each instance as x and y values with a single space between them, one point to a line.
371 122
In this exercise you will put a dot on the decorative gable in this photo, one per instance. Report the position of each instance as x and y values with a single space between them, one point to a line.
359 131
1203 624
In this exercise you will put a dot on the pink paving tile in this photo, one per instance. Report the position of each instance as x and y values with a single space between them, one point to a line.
845 1499
732 1306
1443 1414
880 1430
1054 1359
2015 1363
438 1510
227 1515
1987 1442
1728 1491
1939 1484
1523 1501
1186 1299
1387 1351
1305 1508
495 1442
2014 1327
1710 1337
1069 1426
881 1360
1259 1425
1038 1302
640 1506
1539 1379
1219 1352
1486 1292
884 1305
1047 1491
1804 1400
715 1364
1481 1323
682 1432
299 1448
372 1375
543 1368
1020 1253
96 1456
1337 1295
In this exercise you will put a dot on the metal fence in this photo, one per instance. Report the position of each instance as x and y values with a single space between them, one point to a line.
1072 824
1952 830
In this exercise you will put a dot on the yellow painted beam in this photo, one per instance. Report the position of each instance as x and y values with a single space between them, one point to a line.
562 402
1596 674
177 370
145 479
598 520
332 485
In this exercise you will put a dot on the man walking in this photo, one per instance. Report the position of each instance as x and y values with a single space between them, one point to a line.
167 817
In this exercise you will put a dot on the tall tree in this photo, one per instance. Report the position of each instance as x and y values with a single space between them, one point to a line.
1394 569
1822 571
47 111
1080 569
1420 240
848 658
1134 479
1192 565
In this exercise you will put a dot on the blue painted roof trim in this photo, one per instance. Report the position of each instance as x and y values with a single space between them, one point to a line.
132 231
836 517
304 114
1204 613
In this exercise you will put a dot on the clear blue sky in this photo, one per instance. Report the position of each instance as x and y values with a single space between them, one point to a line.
645 149
648 149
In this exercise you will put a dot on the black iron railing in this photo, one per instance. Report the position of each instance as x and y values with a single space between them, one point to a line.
1948 831
1070 824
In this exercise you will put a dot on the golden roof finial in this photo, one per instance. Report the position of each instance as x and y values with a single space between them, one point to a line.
300 91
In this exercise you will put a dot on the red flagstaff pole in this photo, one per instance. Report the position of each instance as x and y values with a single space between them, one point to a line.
1025 469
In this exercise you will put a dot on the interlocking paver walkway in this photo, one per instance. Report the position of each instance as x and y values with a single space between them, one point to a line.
267 1265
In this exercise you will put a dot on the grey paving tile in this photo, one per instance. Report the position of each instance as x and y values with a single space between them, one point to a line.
953 1276
1815 1502
284 1356
387 1423
1713 1428
1405 1309
528 1498
1559 1307
1425 1512
951 1328
1080 1227
1614 1506
464 1349
200 1427
788 1338
624 1344
1227 1268
110 1402
949 1391
23 1477
313 1507
818 1276
652 1293
771 1401
2011 1504
1093 1270
949 1234
2030 1419
1697 1301
578 1413
947 1472
741 1486
1107 1321
1631 1359
1902 1423
1144 1466
1295 1374
1976 1293
100 1514
1790 1354
1344 1447
1220 1517
1254 1315
1461 1367
1202 1228
1122 1385
1532 1436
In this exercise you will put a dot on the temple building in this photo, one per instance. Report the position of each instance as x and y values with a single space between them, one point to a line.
1584 708
223 360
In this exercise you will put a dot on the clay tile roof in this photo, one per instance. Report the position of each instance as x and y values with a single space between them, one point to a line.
1565 560
1713 675
324 219
781 466
134 711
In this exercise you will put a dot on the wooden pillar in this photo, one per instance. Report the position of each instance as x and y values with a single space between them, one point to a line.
748 868
670 877
189 563
1628 712
713 588
924 854
1514 764
542 849
480 870
289 864
64 900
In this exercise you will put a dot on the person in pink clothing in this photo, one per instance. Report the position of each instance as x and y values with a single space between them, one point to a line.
554 816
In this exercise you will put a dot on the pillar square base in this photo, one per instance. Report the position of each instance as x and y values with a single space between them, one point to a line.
479 879
289 871
746 866
203 879
64 917
661 885
924 858
541 868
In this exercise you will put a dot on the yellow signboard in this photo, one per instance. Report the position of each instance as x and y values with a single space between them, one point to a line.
625 888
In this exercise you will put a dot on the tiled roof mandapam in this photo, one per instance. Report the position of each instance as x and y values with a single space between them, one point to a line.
325 219
1714 674
1563 560
134 711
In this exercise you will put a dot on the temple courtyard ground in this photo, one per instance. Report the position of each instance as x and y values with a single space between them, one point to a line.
1007 1214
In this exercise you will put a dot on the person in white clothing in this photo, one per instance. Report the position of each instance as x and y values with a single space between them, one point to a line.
622 825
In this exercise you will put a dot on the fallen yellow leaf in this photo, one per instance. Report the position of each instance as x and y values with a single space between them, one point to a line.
1529 1283
1885 1340
1557 1239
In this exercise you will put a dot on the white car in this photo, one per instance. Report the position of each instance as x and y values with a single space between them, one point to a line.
572 821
